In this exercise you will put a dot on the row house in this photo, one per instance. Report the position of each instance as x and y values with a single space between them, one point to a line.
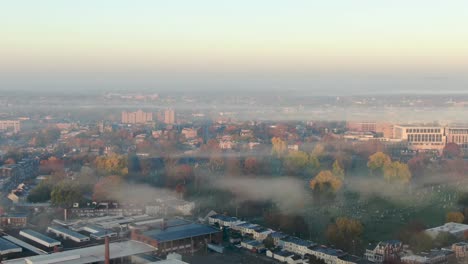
284 256
384 251
245 228
297 245
224 221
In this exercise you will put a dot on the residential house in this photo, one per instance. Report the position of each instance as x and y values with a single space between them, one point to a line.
442 256
297 245
384 251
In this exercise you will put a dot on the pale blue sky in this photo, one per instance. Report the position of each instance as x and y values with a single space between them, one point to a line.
346 37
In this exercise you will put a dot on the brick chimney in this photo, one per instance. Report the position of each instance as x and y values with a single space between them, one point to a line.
107 251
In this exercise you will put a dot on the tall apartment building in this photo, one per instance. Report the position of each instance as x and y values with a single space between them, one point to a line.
169 116
138 117
422 137
10 125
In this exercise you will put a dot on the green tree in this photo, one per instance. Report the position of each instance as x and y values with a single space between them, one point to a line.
66 193
269 242
40 193
444 239
421 242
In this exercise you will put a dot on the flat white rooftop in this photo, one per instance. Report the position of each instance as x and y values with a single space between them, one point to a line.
453 228
88 255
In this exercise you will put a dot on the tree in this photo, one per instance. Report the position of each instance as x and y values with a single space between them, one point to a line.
112 164
417 165
444 239
420 242
318 151
296 162
345 233
40 193
66 193
269 242
107 188
455 217
251 165
451 150
325 177
337 170
397 172
279 147
377 161
325 185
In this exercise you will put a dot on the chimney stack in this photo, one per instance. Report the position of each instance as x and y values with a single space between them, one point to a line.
107 250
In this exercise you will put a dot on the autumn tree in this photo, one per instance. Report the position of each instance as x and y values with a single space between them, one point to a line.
279 147
107 188
337 170
417 165
325 185
296 162
397 172
251 165
345 233
452 150
318 151
455 217
378 161
112 164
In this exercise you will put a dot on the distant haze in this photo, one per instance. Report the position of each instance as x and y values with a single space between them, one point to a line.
320 47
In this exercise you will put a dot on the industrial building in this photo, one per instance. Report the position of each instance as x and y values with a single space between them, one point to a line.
6 247
39 238
183 238
67 234
118 251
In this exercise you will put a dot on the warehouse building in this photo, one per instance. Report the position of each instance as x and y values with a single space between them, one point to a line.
183 238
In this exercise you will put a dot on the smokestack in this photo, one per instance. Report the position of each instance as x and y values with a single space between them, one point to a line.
107 250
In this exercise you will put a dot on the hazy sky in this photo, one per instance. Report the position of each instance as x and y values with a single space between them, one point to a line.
311 44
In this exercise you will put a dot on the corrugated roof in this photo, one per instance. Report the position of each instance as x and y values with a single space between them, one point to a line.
180 232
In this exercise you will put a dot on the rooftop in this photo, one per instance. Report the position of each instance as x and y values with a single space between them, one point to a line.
88 255
298 241
8 247
68 232
39 236
330 251
180 232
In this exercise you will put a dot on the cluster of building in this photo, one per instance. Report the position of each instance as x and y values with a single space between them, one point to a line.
417 137
12 175
130 239
287 248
